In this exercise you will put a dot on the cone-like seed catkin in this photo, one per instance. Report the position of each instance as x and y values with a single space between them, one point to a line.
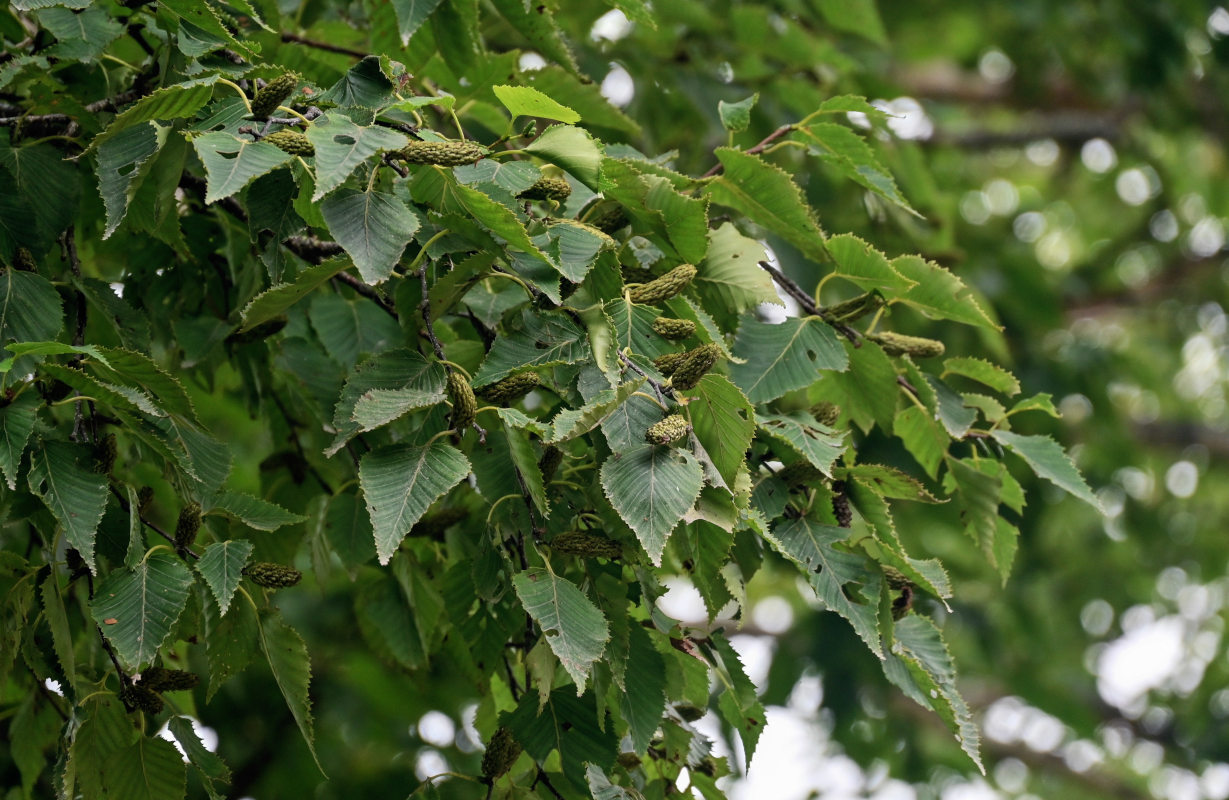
586 545
501 753
23 260
827 413
668 363
275 93
140 698
898 344
840 505
557 189
673 329
511 388
903 603
663 288
609 218
291 141
855 307
464 404
551 458
444 154
187 526
896 579
104 455
145 496
688 712
159 679
695 366
271 575
666 431
800 473
628 760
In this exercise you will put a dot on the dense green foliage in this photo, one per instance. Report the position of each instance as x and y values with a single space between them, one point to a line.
360 366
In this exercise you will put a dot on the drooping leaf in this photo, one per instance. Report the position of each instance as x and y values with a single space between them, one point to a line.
170 102
644 699
723 420
736 117
288 660
939 294
541 340
571 725
737 702
30 308
1047 459
574 628
411 14
373 228
652 487
74 493
818 445
407 378
231 163
252 511
847 583
273 302
208 762
342 145
863 265
784 357
16 423
400 482
983 372
571 149
137 608
851 156
570 423
221 565
731 276
148 769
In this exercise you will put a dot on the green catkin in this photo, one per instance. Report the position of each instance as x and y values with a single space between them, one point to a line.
275 93
291 141
663 288
668 363
695 366
666 431
271 575
586 545
464 404
556 189
609 218
549 463
187 526
444 154
23 260
159 679
140 698
854 308
673 329
511 388
826 413
898 344
501 753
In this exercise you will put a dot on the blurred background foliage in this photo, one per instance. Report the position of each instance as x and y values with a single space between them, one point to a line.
1067 160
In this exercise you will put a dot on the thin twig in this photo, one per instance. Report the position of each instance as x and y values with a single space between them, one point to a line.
123 504
759 148
808 303
662 390
545 781
325 46
366 291
424 307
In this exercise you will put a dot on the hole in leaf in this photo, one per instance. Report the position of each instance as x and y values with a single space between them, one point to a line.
229 156
342 138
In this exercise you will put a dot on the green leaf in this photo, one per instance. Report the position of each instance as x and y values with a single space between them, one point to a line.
863 265
61 635
16 423
231 162
104 732
496 216
731 277
849 153
30 309
867 391
736 699
404 376
231 642
411 14
571 149
372 227
364 86
814 442
571 725
525 101
835 574
221 565
348 530
578 247
136 608
644 699
387 622
352 328
75 493
929 678
121 163
537 24
129 368
723 420
170 102
574 628
652 488
209 33
1047 459
46 349
925 440
736 117
602 789
583 96
274 302
201 757
983 372
854 16
526 462
887 482
784 357
252 511
769 197
540 340
400 482
1038 402
939 294
341 146
956 417
148 769
287 656
512 176
572 422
